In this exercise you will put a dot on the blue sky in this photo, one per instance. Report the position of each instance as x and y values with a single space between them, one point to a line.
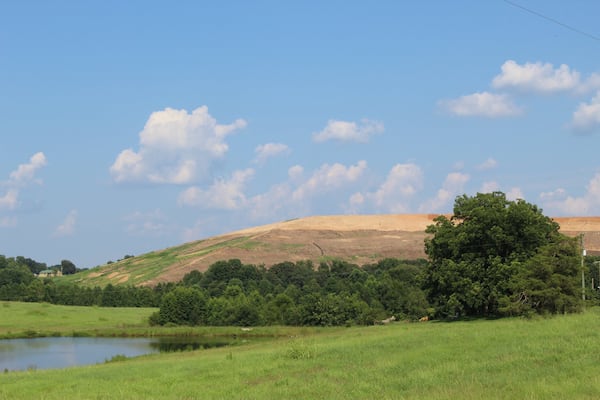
133 126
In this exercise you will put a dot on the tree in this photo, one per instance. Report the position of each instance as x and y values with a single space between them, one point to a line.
475 255
548 281
67 267
182 306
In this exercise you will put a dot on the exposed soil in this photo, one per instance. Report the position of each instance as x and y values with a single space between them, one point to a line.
359 239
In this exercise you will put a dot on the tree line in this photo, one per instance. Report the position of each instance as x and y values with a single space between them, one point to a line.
233 293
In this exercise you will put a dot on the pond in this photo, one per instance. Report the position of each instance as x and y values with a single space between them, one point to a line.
62 352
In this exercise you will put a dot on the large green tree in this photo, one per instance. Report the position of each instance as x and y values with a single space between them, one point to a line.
483 258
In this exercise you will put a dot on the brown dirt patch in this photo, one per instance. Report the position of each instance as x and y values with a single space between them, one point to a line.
359 239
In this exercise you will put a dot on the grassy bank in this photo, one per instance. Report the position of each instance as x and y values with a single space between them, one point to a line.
22 320
552 358
42 319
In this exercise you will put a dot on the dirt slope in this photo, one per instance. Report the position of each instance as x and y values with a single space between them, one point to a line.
360 239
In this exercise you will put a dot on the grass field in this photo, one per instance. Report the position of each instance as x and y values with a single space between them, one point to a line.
554 358
22 320
42 319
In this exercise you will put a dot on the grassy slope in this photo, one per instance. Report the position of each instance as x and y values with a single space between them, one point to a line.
147 267
552 358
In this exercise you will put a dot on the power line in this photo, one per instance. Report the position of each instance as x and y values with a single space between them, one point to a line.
557 22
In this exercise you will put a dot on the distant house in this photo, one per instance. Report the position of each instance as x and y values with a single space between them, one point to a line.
49 273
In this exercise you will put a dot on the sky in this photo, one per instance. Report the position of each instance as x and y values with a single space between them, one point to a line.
132 126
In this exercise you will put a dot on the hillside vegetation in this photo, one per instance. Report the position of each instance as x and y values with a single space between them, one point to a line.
358 239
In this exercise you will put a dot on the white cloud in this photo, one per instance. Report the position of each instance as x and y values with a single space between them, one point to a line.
18 179
587 116
176 147
536 77
490 187
560 202
515 193
490 163
357 200
193 233
327 178
482 104
557 194
402 183
268 150
296 173
25 173
276 203
10 200
452 187
592 83
67 227
222 194
300 194
349 131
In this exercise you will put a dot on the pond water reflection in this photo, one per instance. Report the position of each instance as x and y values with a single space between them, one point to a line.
61 352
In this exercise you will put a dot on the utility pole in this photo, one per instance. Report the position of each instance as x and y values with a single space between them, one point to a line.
582 272
598 264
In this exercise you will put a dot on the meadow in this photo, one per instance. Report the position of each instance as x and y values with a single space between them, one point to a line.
541 358
43 319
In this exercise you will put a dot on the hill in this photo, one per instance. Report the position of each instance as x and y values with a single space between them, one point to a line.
360 239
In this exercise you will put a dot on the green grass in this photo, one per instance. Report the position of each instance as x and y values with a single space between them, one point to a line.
140 269
554 358
43 319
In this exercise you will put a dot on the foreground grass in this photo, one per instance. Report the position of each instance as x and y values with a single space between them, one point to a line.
553 358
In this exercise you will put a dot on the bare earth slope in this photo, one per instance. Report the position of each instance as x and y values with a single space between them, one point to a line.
360 239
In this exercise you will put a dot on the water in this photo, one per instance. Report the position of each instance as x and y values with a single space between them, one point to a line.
62 352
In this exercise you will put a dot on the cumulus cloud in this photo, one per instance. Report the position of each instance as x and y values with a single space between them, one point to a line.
296 173
515 193
25 173
194 232
302 192
327 178
10 200
453 186
67 227
175 147
559 193
298 195
483 104
18 179
490 163
490 187
276 203
227 194
560 202
268 150
349 131
512 194
536 77
402 183
586 118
